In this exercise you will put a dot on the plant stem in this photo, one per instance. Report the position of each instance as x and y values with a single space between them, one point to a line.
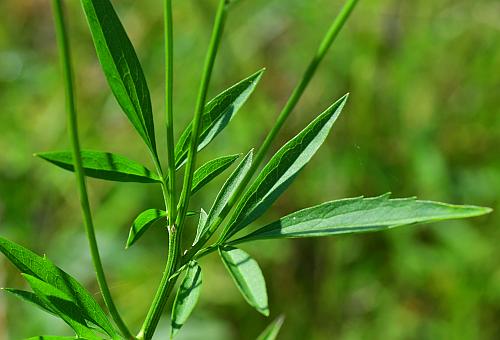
64 51
297 93
175 230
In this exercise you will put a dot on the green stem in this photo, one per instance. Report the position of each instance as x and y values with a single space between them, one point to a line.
64 50
297 93
175 231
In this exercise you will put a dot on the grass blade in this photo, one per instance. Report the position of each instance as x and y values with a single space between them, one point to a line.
186 298
358 215
103 165
208 171
247 276
143 222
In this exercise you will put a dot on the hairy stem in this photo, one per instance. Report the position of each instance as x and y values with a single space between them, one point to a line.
297 93
64 51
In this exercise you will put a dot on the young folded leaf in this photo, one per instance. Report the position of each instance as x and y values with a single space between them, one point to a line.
142 223
247 276
201 225
217 114
271 332
225 193
186 298
281 170
63 305
31 298
30 263
103 165
208 171
358 215
121 67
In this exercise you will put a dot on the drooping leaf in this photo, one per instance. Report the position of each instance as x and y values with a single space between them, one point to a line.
247 276
217 114
208 171
31 298
271 332
225 193
201 225
358 215
103 165
186 298
63 305
121 67
142 223
281 170
32 264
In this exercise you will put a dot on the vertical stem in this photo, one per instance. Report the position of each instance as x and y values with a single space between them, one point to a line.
64 51
175 230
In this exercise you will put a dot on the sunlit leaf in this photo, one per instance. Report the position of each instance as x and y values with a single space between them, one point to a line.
247 276
103 165
271 332
281 170
208 171
186 298
217 114
121 67
51 337
30 263
142 223
358 215
201 225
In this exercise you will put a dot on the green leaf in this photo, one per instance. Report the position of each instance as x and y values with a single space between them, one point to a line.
103 165
281 170
247 276
208 171
217 114
31 298
62 304
121 67
201 225
271 331
142 223
225 193
51 337
358 215
30 263
186 298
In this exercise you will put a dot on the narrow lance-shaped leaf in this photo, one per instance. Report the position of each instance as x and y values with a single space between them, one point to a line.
281 170
247 276
62 304
143 222
201 225
32 264
357 215
31 298
186 298
271 332
210 170
121 67
225 194
217 114
103 165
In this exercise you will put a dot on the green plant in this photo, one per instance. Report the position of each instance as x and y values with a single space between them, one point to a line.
240 199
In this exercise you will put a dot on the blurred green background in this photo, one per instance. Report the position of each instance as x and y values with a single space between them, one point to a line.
423 119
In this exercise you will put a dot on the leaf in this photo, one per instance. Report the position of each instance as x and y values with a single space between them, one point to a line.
281 170
208 171
271 331
51 337
103 165
142 223
217 114
30 263
121 67
225 193
201 224
186 298
62 304
31 298
357 215
247 276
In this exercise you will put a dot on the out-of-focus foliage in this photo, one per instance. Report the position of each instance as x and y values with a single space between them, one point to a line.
423 118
